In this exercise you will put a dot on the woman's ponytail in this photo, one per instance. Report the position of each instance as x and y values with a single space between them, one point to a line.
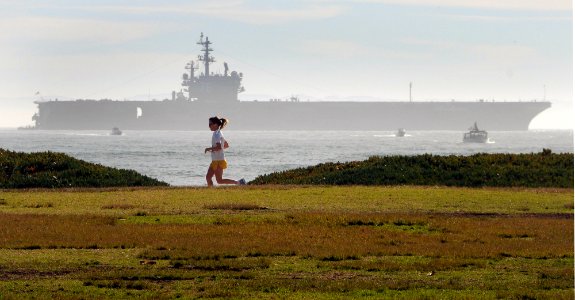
223 123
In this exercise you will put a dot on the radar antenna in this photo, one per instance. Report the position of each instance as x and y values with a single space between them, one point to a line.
206 58
190 66
187 82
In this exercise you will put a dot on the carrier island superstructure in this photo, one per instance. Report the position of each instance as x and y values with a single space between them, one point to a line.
205 94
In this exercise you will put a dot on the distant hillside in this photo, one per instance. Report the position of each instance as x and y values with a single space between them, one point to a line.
55 170
543 169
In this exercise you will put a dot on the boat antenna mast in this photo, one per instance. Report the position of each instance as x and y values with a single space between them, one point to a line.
189 81
206 58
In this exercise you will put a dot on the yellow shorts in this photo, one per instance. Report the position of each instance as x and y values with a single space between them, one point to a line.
218 164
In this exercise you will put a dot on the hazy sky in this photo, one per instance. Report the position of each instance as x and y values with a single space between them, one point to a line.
315 49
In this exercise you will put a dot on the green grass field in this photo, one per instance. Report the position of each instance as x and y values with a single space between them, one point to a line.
302 242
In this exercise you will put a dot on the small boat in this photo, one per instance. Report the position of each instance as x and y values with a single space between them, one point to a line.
475 135
400 132
116 131
27 127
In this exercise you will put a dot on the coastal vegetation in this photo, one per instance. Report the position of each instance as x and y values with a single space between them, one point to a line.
54 170
302 242
544 169
360 238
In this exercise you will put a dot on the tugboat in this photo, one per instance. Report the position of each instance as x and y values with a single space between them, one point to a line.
400 132
116 131
475 135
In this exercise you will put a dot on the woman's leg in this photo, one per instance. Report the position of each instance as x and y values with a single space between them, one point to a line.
219 174
209 176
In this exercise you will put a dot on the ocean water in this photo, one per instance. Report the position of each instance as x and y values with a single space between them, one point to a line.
177 157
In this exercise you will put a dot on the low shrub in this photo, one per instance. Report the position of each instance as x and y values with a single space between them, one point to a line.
57 170
543 169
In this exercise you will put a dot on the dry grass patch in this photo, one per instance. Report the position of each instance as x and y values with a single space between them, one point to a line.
123 206
39 205
308 234
234 206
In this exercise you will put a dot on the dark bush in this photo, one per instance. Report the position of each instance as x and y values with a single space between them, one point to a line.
56 170
543 169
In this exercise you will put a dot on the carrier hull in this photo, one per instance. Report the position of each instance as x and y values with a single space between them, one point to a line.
286 115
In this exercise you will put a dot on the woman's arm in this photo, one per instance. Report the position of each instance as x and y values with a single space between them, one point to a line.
218 147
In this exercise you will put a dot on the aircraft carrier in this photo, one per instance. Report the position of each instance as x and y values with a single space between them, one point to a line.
206 94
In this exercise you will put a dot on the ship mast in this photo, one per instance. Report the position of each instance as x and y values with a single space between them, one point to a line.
189 81
206 58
